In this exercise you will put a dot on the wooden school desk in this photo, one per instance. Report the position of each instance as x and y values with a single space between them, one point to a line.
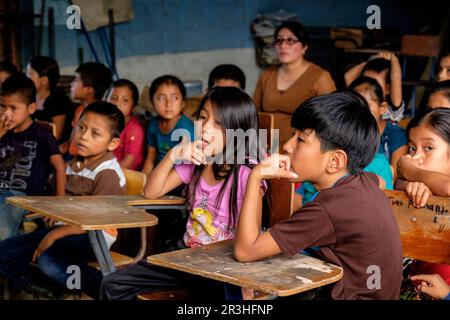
93 214
279 275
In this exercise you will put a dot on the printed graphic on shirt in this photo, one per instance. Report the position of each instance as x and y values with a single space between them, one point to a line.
15 170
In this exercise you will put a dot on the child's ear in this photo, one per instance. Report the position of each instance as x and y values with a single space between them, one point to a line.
383 107
338 161
32 108
113 144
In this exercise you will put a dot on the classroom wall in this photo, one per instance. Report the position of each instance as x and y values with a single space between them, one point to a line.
189 37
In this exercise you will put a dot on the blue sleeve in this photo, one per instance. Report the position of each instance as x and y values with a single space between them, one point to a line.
150 132
187 124
380 166
447 297
398 139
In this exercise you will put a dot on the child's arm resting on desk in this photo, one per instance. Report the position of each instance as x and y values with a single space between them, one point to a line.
310 226
439 183
149 162
60 173
52 236
250 244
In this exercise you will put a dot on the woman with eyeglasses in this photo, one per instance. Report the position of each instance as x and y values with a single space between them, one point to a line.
284 87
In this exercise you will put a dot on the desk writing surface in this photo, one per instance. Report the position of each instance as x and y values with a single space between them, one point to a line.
423 231
280 275
164 200
88 212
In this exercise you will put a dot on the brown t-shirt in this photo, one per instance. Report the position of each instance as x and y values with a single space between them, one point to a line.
355 228
313 82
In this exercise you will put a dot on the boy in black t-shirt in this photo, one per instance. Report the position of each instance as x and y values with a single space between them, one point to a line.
28 152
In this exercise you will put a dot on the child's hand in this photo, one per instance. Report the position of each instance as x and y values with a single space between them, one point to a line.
432 284
276 166
386 55
419 193
43 245
406 164
49 221
190 152
5 122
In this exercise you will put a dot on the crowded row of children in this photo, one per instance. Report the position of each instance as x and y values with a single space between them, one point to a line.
345 150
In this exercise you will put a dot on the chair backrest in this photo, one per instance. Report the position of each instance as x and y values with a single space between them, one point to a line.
282 199
267 122
425 232
191 106
276 121
420 45
50 126
135 182
347 37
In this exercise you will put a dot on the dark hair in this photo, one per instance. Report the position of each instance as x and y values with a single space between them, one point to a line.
95 75
167 80
341 120
297 29
442 86
46 67
109 111
130 85
378 65
374 85
226 71
9 67
234 109
438 120
21 85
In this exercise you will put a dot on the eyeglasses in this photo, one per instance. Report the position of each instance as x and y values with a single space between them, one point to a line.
289 41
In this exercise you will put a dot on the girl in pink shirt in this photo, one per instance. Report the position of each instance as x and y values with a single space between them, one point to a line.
216 168
130 153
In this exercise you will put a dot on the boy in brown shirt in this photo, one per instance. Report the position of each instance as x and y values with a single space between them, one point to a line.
350 219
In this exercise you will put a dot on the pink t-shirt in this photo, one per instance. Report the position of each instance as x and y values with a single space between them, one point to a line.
132 141
208 223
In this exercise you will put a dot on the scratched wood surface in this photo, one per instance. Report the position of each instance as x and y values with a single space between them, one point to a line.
280 275
425 232
88 212
164 200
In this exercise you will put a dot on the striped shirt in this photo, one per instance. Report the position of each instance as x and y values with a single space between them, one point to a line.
102 177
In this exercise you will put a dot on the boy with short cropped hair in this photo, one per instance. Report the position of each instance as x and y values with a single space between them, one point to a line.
226 75
349 219
28 152
95 171
92 79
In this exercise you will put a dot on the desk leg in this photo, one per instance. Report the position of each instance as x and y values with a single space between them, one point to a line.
106 253
101 251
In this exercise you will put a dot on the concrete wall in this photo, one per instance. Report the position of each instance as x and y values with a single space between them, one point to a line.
189 37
